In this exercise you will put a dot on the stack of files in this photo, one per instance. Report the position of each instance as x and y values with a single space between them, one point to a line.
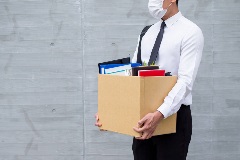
147 73
117 69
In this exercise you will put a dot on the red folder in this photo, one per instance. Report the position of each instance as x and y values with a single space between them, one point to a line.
157 72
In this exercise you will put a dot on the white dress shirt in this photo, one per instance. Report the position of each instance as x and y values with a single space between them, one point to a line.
180 53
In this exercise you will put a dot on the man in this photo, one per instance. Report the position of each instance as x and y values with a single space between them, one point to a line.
175 44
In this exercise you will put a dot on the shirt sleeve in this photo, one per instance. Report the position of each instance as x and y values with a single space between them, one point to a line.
191 54
134 59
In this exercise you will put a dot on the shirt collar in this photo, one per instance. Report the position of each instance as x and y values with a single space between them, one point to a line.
170 21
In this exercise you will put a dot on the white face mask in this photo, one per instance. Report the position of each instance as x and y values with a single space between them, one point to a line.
156 8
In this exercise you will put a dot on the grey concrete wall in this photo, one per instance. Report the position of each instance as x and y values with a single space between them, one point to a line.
48 77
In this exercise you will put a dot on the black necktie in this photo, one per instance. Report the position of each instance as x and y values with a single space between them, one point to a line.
156 46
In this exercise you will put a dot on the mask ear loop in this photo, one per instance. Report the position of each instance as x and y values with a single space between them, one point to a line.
169 5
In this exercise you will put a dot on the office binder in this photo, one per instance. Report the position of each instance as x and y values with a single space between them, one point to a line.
117 61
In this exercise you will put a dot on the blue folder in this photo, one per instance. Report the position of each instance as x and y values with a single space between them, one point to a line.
107 66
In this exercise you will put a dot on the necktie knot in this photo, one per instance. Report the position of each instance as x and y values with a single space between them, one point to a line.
163 25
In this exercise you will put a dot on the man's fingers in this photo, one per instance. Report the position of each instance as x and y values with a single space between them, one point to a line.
150 135
96 116
141 122
98 124
97 121
143 137
146 135
139 130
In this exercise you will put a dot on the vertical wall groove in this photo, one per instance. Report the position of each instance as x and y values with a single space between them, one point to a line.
212 50
84 75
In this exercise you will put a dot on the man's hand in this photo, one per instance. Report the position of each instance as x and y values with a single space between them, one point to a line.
148 124
97 121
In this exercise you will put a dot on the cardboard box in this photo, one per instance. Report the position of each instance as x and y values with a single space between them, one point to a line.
124 100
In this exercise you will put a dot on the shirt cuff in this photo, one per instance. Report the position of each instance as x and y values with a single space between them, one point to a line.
165 110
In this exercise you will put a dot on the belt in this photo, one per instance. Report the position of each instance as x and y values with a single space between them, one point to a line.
185 105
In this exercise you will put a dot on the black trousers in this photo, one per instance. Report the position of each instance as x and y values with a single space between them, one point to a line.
170 146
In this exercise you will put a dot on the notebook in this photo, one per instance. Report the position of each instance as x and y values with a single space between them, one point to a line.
136 69
146 73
